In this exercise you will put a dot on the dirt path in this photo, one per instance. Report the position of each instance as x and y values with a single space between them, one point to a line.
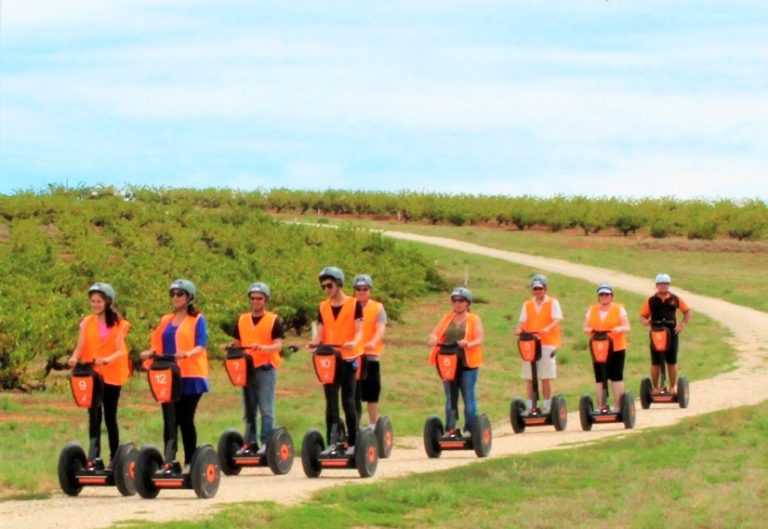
747 384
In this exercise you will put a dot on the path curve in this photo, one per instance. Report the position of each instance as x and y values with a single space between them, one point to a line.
746 384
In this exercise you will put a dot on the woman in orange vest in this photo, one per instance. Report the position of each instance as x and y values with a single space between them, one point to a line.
102 341
260 332
542 315
374 327
340 323
610 317
183 333
463 327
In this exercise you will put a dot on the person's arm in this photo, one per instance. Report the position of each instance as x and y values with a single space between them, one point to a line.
319 336
434 337
521 321
623 327
78 352
557 317
381 328
686 310
645 313
477 340
120 347
588 330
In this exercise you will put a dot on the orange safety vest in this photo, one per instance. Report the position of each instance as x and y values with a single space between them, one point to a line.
537 320
371 313
338 331
472 355
117 372
612 319
259 334
195 366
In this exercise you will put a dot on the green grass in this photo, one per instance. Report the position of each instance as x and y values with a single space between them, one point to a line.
706 472
34 427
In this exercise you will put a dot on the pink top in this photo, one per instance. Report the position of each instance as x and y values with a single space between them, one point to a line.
102 326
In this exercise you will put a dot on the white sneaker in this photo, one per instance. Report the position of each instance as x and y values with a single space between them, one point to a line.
350 451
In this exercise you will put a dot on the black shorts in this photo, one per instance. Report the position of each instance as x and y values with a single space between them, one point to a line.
370 385
670 356
615 367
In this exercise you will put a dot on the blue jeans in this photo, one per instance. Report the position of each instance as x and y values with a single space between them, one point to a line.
261 390
466 384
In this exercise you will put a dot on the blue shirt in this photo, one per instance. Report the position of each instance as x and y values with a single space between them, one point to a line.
189 385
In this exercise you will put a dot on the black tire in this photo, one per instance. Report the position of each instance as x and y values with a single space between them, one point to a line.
683 392
516 411
125 469
71 461
149 461
559 413
646 390
366 453
311 446
482 436
280 451
586 407
205 472
229 443
433 431
385 436
628 410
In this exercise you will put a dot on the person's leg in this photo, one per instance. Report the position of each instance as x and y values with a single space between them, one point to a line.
359 397
371 390
348 386
616 375
547 371
451 390
599 391
185 410
111 399
525 373
266 380
331 409
655 369
249 411
170 431
671 359
94 432
469 396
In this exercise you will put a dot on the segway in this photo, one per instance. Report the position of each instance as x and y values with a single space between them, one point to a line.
529 346
237 451
601 346
382 429
315 456
155 470
436 439
661 340
75 469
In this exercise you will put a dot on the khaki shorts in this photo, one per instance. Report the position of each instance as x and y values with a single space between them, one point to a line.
546 367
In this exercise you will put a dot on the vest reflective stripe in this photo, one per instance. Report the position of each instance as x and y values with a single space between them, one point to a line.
473 355
371 313
342 329
535 321
197 365
116 372
259 334
612 319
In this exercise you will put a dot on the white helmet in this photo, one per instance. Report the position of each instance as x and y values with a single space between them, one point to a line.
663 278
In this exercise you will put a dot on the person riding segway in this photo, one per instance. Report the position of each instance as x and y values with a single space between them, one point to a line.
659 312
101 367
252 361
457 354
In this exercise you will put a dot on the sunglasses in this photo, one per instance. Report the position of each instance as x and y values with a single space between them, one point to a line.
362 289
605 294
327 286
178 294
538 288
458 300
257 298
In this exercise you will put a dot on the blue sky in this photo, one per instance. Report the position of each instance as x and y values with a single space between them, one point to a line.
624 98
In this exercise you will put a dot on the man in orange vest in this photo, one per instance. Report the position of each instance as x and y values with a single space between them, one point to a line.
662 307
340 324
374 327
260 332
542 315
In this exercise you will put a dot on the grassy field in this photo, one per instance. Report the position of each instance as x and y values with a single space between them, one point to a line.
727 269
34 427
706 472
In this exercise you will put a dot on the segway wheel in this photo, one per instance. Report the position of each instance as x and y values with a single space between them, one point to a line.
229 443
311 446
149 461
71 461
125 469
205 472
683 392
586 407
385 437
482 436
628 410
516 411
433 430
280 451
646 390
366 453
559 413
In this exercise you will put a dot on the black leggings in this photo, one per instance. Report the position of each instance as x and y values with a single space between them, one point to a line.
109 403
345 379
180 415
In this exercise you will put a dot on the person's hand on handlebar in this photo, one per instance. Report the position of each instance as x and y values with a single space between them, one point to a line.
432 341
145 355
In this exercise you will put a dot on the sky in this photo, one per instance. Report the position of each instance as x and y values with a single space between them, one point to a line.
573 97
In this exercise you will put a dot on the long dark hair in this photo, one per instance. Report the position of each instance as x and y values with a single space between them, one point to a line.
111 316
191 310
